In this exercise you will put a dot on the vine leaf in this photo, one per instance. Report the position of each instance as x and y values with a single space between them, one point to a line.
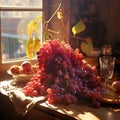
29 48
79 27
36 44
33 43
33 25
38 19
30 27
47 35
59 14
87 47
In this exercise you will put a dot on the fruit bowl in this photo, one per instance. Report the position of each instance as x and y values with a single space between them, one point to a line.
21 78
24 72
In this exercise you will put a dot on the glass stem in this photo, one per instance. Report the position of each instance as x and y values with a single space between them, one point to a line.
107 82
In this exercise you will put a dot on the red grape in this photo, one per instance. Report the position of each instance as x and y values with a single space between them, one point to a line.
63 74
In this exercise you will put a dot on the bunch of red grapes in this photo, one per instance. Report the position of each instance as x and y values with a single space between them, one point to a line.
63 75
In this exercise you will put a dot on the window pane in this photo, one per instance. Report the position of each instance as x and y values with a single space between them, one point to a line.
22 3
13 32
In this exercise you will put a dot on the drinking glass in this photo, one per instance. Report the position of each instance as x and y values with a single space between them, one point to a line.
107 65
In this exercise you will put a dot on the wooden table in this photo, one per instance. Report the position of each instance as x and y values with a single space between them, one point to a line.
80 111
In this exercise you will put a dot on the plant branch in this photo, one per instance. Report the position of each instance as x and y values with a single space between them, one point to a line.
53 31
54 13
79 38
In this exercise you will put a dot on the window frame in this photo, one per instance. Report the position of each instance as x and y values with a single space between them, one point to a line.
6 65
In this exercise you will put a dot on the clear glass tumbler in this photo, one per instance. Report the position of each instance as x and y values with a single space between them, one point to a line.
107 65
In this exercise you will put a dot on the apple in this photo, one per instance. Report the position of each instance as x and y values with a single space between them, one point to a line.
14 69
26 66
116 85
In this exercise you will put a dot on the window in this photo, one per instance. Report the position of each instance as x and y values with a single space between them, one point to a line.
15 16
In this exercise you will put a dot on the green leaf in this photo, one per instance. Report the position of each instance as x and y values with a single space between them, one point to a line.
30 27
87 47
29 48
47 35
38 19
79 27
33 25
36 44
36 23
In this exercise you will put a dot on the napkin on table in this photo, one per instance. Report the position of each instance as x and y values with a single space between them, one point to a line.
23 104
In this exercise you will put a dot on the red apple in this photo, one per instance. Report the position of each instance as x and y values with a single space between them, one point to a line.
26 66
14 69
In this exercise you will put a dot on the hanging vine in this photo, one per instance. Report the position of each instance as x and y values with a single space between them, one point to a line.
34 43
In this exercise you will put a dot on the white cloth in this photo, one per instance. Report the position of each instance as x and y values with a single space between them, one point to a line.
21 103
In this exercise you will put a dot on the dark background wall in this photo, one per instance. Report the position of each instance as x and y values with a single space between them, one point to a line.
102 18
109 13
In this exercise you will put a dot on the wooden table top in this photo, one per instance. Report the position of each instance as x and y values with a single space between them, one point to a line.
81 111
